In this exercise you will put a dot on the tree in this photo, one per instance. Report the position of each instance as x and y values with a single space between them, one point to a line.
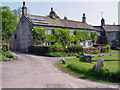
65 18
9 22
18 12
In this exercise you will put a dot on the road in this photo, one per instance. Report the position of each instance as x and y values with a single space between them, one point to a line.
32 71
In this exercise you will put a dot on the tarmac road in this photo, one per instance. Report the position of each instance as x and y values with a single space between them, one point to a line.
32 71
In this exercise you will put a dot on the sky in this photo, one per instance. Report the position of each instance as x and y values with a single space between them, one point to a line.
73 10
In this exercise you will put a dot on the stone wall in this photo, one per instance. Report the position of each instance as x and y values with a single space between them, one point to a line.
24 38
110 37
23 35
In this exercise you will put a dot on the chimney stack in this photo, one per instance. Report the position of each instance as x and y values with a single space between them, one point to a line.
24 9
52 13
84 18
102 22
24 3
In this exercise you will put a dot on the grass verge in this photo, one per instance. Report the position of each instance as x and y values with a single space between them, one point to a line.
4 56
84 70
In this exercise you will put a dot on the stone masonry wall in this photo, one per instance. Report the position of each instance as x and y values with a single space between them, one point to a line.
24 36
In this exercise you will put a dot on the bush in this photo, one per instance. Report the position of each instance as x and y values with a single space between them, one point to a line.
56 48
75 49
59 54
81 59
6 54
107 47
5 47
37 49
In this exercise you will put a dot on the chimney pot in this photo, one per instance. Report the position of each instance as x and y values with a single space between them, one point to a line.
51 8
23 3
84 18
24 9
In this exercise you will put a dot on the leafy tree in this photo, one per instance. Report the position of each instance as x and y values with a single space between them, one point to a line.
65 18
18 12
9 22
57 16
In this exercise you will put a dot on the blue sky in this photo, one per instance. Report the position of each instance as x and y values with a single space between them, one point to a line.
73 10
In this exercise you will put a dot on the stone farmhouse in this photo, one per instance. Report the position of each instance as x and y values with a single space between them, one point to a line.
112 33
22 38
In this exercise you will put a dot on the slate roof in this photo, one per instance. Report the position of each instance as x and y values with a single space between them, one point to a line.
97 27
108 28
112 27
61 22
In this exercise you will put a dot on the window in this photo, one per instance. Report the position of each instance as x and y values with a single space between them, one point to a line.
71 32
15 36
89 33
49 31
113 34
90 43
99 34
84 43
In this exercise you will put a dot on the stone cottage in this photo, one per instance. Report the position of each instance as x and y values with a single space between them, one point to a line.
112 33
22 38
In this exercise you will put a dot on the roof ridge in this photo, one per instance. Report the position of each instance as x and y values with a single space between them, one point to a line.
57 18
63 22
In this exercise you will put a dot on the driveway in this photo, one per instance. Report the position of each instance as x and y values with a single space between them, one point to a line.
32 71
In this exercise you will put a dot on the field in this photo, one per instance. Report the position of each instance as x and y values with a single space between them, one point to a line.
85 70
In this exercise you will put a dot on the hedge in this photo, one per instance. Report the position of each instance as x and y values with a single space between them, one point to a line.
42 50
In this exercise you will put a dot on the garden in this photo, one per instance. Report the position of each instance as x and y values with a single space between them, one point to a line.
109 73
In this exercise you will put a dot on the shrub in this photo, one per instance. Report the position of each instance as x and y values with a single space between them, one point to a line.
107 47
6 54
5 47
56 47
70 51
75 49
81 59
37 49
59 54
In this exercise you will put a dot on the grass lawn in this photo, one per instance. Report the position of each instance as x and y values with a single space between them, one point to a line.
84 69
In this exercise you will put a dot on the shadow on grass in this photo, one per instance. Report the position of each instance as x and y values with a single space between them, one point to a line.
96 79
